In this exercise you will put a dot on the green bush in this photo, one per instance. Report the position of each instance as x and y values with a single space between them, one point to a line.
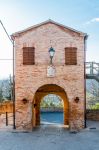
96 106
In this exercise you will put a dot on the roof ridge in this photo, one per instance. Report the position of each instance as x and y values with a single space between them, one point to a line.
44 22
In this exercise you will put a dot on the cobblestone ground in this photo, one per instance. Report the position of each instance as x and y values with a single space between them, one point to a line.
50 138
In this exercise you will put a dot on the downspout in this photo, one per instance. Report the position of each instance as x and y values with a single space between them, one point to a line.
85 39
14 125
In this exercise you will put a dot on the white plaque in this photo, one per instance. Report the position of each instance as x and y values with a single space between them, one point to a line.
51 71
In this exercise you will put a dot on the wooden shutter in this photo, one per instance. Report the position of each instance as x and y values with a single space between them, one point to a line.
28 55
71 56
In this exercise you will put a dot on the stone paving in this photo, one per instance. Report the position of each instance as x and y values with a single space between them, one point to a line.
50 138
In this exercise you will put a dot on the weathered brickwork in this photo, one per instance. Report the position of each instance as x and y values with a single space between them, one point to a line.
92 115
29 78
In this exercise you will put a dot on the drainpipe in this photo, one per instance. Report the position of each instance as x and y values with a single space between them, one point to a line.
14 126
85 39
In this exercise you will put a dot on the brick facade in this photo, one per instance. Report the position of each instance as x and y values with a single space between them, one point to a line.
29 78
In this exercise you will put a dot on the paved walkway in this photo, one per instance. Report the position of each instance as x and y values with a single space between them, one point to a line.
50 138
93 124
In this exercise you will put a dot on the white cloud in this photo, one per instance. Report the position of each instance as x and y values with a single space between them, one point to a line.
95 20
92 20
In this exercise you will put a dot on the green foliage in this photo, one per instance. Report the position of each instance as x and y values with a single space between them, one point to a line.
92 94
51 100
1 94
96 106
6 89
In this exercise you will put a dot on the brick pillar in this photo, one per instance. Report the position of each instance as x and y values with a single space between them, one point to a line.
66 116
76 116
38 114
23 115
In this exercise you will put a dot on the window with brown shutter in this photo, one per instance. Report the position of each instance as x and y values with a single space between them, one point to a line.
71 56
28 55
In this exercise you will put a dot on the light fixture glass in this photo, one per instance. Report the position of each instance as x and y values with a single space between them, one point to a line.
51 51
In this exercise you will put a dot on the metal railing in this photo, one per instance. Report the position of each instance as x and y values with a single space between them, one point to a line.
92 70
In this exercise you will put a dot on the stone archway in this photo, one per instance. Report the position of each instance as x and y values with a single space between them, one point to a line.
43 91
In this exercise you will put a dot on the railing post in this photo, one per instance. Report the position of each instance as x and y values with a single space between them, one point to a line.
91 68
6 119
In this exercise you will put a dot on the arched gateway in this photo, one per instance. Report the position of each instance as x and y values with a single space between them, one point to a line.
43 91
49 58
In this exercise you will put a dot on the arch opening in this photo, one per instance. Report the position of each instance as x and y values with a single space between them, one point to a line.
46 91
51 109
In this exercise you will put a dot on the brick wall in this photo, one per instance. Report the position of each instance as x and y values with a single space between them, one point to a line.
28 79
92 115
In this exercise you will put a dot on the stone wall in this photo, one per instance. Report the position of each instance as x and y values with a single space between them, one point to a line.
92 115
6 107
6 110
29 78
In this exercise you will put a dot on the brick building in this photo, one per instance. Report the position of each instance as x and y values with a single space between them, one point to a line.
36 76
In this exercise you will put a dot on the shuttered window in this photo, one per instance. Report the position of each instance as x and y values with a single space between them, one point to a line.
28 55
71 56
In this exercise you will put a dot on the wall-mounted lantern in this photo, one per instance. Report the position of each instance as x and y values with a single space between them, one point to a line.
24 100
51 52
35 105
76 99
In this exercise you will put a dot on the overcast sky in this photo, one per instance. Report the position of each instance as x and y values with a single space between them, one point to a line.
16 15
